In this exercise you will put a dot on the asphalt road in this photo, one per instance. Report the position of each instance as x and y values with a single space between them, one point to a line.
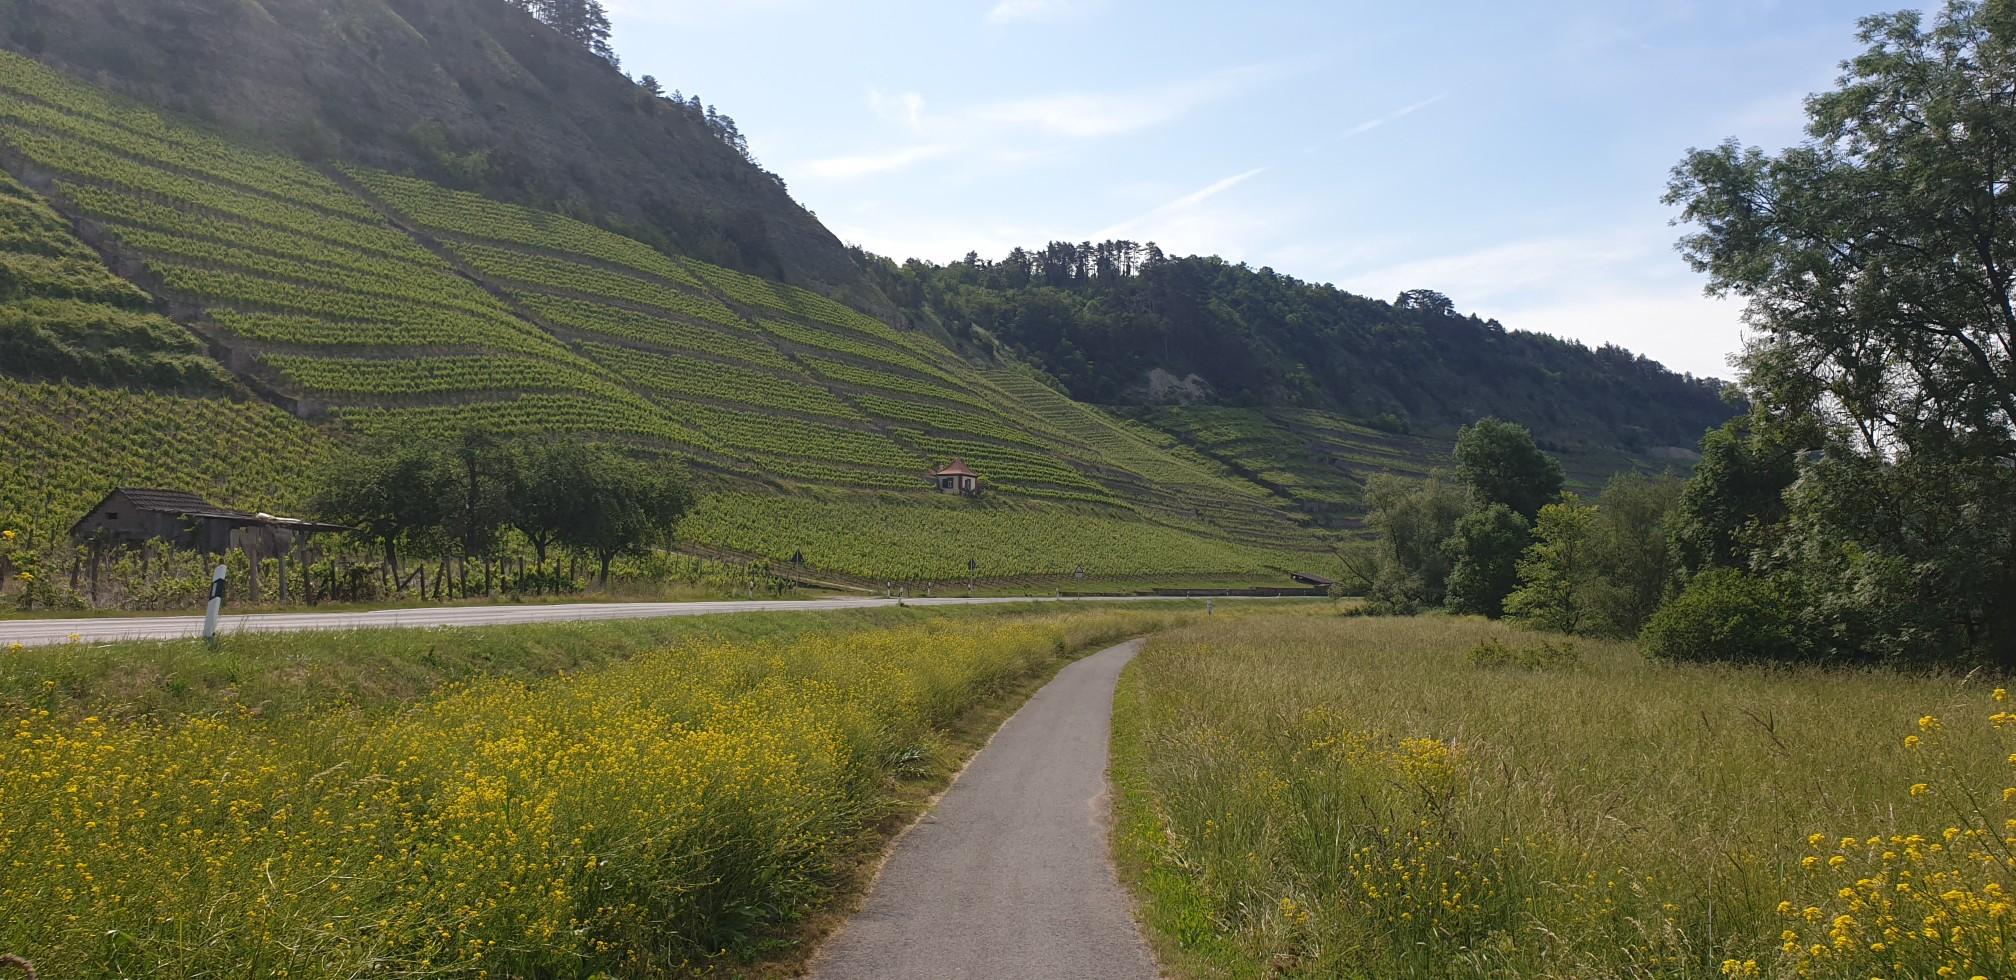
1008 877
39 632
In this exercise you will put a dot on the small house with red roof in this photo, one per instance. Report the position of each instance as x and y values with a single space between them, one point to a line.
956 477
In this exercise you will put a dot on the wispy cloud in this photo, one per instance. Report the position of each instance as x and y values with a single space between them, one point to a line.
1096 114
1016 129
869 164
1376 122
905 108
1021 11
1392 117
1179 205
1620 284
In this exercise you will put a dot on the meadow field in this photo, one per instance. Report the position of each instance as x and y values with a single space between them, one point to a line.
634 799
1324 796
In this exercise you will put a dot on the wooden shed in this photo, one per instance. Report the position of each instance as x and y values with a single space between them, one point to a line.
135 516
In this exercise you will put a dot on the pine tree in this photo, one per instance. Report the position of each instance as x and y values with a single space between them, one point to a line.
586 22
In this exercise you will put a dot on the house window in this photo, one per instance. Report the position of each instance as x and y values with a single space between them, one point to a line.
111 515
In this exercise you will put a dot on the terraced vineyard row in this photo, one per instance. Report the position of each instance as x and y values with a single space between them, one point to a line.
278 254
762 433
41 97
436 375
753 404
477 217
662 332
845 342
64 315
84 440
678 374
933 538
550 273
528 414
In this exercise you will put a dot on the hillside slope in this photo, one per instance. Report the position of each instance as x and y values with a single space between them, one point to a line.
382 305
473 93
1121 323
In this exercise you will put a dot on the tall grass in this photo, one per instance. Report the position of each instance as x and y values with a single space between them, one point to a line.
652 817
1362 797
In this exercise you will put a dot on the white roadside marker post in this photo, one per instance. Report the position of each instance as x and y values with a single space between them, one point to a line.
216 604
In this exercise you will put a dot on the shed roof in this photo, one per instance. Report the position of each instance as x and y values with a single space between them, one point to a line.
182 503
175 502
955 468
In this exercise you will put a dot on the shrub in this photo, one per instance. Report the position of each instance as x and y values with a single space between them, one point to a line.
1727 615
1548 655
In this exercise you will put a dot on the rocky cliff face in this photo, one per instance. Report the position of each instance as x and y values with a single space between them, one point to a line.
473 93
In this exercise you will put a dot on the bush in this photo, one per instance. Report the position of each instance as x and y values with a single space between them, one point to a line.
1727 615
1548 655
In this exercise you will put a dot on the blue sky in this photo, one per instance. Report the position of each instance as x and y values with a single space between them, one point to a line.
1511 155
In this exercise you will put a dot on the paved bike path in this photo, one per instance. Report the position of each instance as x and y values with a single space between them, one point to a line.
37 632
1008 877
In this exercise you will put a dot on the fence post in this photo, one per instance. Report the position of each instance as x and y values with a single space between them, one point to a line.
216 603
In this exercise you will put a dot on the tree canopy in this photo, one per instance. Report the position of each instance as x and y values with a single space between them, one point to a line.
1876 478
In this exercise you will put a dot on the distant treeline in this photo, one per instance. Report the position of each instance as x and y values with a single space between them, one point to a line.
1100 317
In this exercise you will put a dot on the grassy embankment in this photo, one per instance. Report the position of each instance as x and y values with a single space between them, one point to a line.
1328 797
631 799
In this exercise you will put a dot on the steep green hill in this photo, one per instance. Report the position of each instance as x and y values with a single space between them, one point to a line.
473 93
1121 323
374 304
1318 462
180 305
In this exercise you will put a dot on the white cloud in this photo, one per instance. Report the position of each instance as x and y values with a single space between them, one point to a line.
1620 285
1179 205
1089 115
905 108
999 133
869 164
1391 117
1023 11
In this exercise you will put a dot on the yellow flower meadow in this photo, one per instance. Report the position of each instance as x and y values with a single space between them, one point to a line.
635 820
1931 903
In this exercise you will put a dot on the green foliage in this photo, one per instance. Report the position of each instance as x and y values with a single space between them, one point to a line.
1500 463
1413 519
462 491
1874 259
1560 569
1733 499
1099 317
622 507
392 491
1598 568
1495 653
1726 614
1484 553
1927 583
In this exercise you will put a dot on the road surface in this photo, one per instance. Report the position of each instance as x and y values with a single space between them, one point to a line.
39 632
1008 877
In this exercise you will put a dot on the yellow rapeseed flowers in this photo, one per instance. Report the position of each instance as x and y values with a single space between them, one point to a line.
645 814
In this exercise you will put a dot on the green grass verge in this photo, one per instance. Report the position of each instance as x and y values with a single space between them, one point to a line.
1353 797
